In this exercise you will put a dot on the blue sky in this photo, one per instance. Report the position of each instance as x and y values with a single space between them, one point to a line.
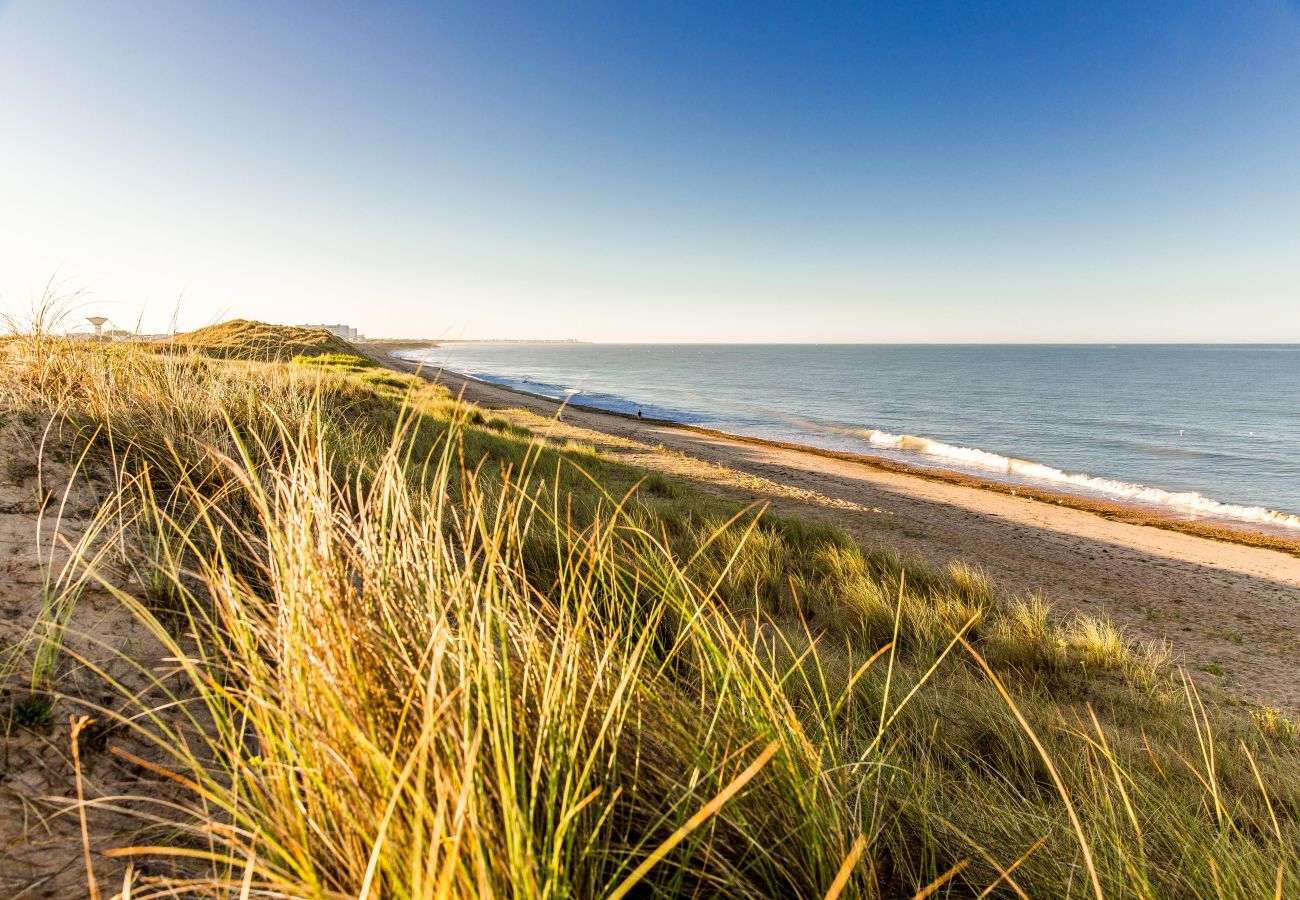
661 171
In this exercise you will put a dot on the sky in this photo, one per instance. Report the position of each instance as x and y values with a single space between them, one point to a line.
668 172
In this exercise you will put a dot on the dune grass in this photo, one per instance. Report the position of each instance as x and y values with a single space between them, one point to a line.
242 339
422 653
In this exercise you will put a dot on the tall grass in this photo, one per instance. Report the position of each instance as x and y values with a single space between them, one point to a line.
416 655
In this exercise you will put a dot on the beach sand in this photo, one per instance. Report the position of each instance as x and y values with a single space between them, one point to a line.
1223 605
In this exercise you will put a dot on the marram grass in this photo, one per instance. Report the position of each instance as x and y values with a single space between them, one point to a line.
419 653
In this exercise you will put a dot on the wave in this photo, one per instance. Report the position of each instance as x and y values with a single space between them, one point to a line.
1183 501
1190 504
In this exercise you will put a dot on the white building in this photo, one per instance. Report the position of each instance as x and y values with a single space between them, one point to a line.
347 332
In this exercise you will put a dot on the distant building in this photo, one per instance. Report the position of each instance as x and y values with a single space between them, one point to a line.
347 332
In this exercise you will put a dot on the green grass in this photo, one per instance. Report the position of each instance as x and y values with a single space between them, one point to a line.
420 653
32 711
348 362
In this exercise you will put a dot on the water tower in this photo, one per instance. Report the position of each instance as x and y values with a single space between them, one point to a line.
98 322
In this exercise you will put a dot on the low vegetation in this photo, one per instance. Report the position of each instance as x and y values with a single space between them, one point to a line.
242 339
416 651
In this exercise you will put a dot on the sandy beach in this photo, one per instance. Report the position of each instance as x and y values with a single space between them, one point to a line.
1224 606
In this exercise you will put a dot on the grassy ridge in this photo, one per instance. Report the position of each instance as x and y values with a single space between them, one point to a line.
425 653
242 339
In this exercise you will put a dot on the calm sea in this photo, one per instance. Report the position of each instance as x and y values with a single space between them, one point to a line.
1197 431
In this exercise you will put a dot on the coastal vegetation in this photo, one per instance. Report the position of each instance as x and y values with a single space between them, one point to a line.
407 648
242 339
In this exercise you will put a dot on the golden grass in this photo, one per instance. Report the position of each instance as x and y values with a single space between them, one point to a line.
421 655
242 339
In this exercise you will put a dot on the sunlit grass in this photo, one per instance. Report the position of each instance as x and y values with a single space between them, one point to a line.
417 652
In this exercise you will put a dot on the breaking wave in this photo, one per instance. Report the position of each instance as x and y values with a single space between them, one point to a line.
1187 502
758 421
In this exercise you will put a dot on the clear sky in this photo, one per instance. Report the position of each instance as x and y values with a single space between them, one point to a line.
659 171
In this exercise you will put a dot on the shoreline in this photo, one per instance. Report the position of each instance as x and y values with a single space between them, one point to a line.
1114 510
1227 603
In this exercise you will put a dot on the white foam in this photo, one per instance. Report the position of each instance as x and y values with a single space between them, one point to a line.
1182 501
1187 503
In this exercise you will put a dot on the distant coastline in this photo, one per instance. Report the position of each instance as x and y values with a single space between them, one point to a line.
1235 532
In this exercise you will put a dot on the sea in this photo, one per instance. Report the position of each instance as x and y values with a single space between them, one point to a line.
1196 432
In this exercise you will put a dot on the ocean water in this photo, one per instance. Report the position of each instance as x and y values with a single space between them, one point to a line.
1210 432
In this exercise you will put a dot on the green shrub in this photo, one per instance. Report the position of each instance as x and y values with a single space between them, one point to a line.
343 361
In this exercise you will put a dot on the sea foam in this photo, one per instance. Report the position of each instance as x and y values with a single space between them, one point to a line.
759 419
1187 502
